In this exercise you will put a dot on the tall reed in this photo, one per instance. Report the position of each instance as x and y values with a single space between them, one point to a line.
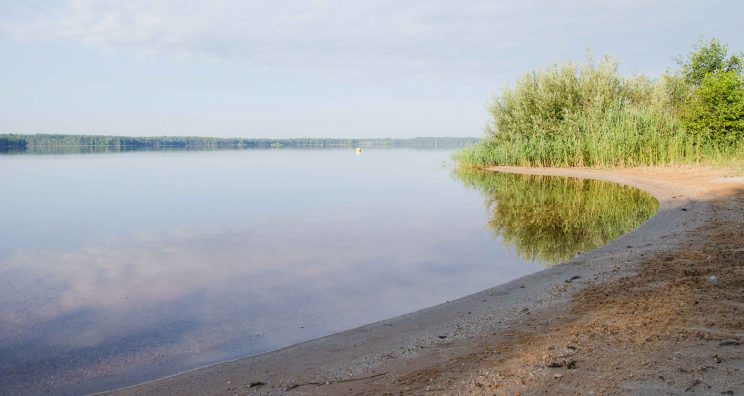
587 114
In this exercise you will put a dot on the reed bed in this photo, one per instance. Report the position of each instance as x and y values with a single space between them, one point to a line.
588 115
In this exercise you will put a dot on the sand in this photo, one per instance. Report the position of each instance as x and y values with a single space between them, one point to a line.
638 315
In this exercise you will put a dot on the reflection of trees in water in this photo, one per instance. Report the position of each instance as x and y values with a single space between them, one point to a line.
551 219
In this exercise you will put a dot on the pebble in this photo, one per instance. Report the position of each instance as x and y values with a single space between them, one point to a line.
713 280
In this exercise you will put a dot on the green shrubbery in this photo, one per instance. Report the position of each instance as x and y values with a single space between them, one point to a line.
588 114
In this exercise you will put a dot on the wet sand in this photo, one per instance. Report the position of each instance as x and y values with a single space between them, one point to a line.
638 315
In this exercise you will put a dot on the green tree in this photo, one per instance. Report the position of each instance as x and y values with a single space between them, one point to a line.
709 57
711 100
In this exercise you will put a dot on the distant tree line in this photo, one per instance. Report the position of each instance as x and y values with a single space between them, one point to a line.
21 142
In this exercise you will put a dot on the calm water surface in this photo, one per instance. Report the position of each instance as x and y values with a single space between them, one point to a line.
125 267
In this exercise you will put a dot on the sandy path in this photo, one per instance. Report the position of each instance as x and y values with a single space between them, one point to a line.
641 318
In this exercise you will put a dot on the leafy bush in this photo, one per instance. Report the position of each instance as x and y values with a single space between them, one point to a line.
716 110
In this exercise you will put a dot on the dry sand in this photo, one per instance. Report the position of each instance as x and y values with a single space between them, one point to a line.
638 315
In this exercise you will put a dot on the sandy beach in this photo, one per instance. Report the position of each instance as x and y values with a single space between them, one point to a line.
659 310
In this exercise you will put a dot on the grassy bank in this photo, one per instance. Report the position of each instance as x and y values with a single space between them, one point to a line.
588 114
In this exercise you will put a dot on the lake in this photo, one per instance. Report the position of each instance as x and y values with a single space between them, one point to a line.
119 268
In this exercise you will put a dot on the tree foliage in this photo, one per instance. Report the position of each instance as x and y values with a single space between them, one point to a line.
713 108
708 57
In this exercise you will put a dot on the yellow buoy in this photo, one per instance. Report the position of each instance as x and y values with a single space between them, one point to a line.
358 150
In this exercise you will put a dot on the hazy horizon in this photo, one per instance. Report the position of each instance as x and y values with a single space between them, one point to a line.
294 69
257 137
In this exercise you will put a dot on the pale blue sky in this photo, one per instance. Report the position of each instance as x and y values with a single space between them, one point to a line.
313 68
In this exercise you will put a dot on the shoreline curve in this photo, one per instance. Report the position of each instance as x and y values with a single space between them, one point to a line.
377 354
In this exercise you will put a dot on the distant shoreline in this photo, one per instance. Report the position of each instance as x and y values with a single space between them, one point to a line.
25 142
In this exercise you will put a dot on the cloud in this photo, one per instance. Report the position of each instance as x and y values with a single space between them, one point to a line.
340 68
325 34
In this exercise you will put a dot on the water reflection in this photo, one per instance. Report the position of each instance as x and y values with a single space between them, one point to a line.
121 268
551 219
57 150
